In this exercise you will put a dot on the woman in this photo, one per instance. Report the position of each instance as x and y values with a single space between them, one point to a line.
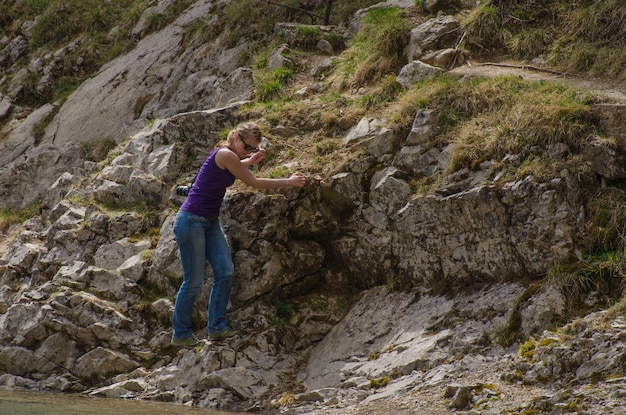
200 236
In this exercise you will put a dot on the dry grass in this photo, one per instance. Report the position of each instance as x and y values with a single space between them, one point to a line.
487 119
320 125
483 30
605 273
518 128
527 44
607 212
583 37
506 116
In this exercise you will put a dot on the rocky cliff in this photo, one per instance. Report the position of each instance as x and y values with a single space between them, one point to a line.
394 271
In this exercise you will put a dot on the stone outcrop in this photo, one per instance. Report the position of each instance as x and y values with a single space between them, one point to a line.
75 280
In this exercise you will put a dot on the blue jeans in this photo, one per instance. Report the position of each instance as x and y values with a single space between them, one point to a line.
200 239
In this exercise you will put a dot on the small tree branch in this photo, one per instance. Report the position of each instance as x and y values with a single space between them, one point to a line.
529 67
308 13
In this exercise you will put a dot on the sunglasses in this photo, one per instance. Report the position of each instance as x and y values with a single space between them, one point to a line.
248 147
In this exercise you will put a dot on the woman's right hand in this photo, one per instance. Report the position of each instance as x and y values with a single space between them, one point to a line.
297 180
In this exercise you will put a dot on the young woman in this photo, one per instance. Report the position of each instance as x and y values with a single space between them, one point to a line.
200 236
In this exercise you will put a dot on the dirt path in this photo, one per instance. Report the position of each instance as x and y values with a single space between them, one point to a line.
613 91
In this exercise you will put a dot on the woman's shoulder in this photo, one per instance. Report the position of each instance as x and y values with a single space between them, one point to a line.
223 152
224 156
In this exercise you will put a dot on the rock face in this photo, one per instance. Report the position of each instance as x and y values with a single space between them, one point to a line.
76 280
160 77
341 286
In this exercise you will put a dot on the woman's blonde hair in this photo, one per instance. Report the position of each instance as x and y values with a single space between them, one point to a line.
247 129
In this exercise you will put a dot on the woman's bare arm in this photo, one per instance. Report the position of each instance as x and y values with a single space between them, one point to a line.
229 160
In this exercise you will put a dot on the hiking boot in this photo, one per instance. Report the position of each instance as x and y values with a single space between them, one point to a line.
188 343
224 334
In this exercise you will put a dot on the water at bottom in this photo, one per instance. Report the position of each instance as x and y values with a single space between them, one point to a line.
19 402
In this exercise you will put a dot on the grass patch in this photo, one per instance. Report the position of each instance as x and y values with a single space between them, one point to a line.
528 43
603 266
582 38
97 151
57 22
490 118
279 172
528 349
377 50
380 382
385 33
255 20
384 92
248 19
157 21
283 310
483 31
605 273
269 84
199 29
307 37
402 111
501 116
10 217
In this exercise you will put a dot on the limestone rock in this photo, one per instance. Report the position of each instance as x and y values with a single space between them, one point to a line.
102 362
437 33
413 72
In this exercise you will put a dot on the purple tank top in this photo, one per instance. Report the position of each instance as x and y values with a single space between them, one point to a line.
206 195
